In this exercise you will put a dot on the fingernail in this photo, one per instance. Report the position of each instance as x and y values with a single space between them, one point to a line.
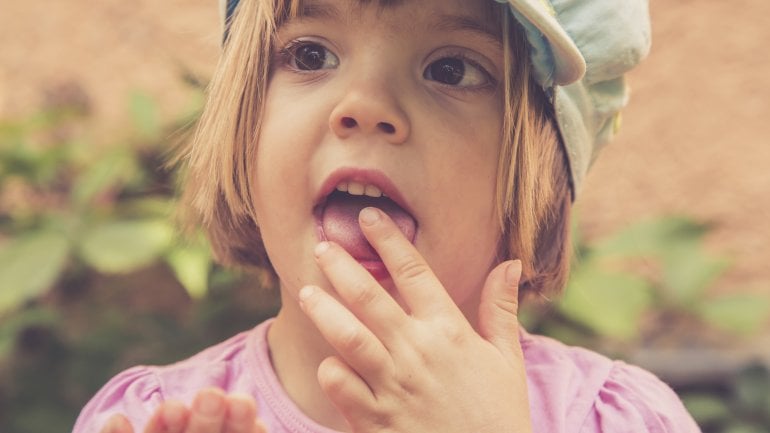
209 403
369 215
305 292
321 248
513 272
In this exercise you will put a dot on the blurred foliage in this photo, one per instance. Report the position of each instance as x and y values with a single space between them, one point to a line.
95 279
649 285
742 406
631 286
69 204
93 275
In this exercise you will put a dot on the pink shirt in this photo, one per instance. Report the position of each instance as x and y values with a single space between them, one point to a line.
570 390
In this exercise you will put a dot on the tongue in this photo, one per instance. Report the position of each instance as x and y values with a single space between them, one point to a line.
340 222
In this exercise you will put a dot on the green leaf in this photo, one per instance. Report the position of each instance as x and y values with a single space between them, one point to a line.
124 246
651 238
744 427
144 113
30 265
192 266
611 304
688 271
677 245
148 207
117 167
741 313
752 388
529 316
17 322
567 333
706 408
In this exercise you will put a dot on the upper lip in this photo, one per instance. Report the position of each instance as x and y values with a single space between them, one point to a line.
361 175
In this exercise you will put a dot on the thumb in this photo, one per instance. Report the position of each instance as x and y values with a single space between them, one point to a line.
499 307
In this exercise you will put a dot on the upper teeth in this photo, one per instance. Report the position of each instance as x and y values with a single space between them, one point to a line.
356 188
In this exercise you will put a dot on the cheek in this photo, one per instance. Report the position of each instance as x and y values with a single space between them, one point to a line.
269 182
284 223
465 234
281 189
472 240
282 154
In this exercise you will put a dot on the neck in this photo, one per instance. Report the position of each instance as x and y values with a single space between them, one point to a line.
297 349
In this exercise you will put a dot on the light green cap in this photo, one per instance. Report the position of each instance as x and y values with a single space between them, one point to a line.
581 51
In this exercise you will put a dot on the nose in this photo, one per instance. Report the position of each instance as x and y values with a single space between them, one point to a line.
367 110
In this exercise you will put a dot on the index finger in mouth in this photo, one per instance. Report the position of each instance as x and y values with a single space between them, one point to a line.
414 279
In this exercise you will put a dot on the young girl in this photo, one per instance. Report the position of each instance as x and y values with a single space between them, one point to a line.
406 170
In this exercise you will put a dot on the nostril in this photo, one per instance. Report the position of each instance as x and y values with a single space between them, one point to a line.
386 127
349 122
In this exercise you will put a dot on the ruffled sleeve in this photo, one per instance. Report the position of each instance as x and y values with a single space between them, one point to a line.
134 393
634 400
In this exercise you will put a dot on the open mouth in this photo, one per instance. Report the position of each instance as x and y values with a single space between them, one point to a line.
337 218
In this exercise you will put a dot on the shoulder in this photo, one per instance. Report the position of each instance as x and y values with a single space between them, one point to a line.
133 393
576 390
136 392
632 396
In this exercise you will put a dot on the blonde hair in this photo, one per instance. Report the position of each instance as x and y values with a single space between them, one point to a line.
533 192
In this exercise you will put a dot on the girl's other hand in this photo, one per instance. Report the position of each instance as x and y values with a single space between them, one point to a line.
212 412
425 370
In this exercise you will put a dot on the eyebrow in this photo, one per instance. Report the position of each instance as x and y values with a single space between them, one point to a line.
328 11
467 24
319 10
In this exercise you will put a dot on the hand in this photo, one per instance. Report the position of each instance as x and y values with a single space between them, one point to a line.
211 412
423 371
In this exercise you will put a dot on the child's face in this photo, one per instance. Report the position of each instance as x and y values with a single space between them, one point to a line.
411 93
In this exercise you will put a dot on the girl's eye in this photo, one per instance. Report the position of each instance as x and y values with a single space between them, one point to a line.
456 71
309 56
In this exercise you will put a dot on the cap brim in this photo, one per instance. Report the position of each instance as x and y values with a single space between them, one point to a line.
569 64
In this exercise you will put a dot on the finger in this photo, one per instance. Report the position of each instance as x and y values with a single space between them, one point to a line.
355 343
169 417
416 282
208 412
259 427
360 291
241 415
346 389
117 424
498 308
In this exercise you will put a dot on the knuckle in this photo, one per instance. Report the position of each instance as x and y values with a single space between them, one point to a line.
506 305
407 382
352 341
331 377
381 422
426 353
410 268
390 234
454 333
421 338
363 295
